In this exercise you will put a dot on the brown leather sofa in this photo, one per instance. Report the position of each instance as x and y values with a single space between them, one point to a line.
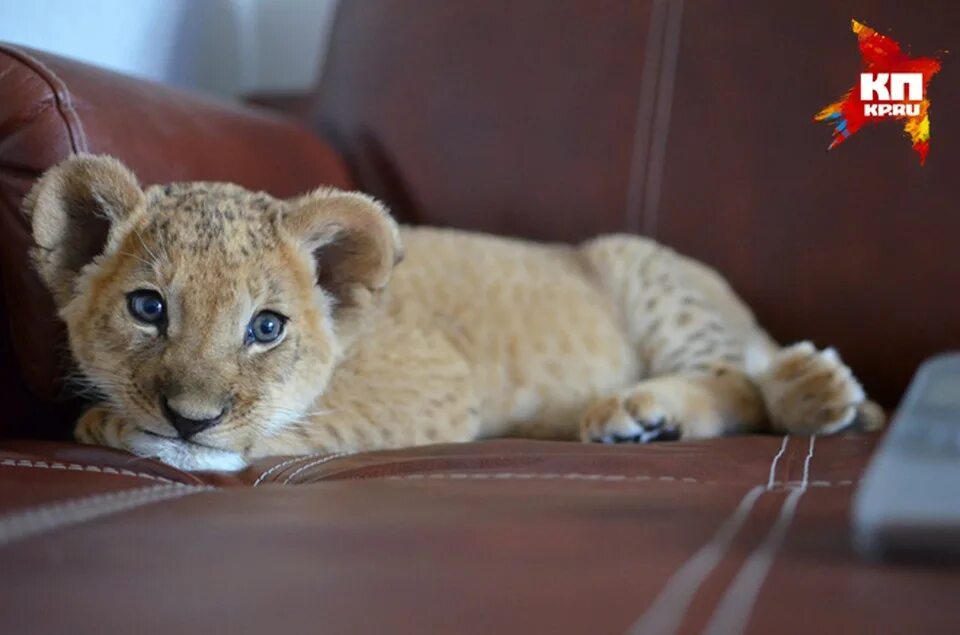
549 119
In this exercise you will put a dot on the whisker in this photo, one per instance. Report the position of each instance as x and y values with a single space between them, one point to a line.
143 243
136 257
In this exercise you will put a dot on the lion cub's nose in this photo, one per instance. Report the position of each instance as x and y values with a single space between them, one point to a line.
187 419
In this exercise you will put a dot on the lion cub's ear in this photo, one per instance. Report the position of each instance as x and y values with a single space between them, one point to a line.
354 241
73 208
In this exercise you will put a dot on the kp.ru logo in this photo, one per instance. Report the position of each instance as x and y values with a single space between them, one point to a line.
893 86
873 88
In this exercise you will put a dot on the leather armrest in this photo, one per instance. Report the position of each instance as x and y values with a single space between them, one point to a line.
53 107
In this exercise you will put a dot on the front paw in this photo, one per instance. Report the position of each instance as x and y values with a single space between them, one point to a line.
98 426
636 416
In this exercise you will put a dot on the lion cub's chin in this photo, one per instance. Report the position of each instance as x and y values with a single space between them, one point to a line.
186 456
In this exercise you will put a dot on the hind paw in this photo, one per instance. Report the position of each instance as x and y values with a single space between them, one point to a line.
813 392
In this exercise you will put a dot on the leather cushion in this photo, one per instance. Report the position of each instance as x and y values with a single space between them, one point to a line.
504 536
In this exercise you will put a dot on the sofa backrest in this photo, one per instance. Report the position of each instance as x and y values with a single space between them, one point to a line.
691 122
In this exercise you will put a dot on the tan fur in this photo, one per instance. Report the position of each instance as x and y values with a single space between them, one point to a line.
472 336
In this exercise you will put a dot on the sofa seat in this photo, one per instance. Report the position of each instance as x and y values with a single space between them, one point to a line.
748 534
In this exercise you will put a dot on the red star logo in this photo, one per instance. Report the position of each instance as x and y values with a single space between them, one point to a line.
887 65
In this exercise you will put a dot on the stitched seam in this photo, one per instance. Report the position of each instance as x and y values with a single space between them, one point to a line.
319 461
660 127
732 614
280 466
46 518
548 476
71 120
666 613
537 476
643 118
77 467
776 459
800 484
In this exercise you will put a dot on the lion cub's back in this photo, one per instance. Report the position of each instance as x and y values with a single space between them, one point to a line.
541 337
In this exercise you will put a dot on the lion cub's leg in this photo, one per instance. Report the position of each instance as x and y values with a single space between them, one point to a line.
691 405
692 336
710 370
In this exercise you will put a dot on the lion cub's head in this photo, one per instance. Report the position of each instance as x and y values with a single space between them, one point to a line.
201 310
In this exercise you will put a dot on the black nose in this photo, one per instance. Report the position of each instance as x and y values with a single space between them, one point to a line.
185 426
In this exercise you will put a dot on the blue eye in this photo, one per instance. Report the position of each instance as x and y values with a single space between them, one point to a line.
265 327
147 306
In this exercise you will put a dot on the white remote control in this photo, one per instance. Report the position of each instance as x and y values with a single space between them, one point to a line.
909 500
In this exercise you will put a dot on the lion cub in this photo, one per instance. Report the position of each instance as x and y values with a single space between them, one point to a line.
222 325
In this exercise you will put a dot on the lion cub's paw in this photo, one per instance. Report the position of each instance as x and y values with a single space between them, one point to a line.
97 427
661 409
808 391
626 420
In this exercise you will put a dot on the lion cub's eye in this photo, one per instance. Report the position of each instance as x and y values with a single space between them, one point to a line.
265 327
147 306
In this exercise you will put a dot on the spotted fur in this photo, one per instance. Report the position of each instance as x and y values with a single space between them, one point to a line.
616 340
